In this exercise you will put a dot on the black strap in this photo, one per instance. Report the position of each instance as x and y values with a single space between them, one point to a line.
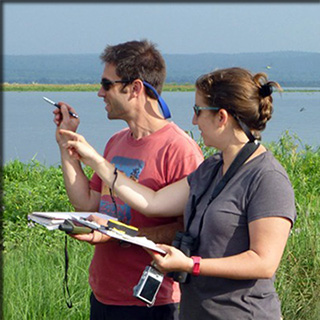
195 201
65 280
241 158
243 126
111 191
246 130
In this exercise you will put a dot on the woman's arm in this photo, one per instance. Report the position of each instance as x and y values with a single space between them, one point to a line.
169 201
268 238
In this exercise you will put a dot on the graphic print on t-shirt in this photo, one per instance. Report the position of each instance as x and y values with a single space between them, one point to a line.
132 168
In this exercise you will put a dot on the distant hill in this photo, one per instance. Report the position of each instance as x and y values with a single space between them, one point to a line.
289 68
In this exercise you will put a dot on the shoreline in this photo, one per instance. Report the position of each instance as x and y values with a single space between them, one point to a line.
86 87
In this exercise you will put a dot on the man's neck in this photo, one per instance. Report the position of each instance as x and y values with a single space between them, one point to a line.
145 118
145 127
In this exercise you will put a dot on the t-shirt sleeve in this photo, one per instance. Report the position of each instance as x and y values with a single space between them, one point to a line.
271 196
204 169
95 183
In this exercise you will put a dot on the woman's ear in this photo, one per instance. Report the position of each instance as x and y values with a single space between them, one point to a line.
223 117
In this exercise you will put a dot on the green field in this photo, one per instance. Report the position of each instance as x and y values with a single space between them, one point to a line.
95 87
33 267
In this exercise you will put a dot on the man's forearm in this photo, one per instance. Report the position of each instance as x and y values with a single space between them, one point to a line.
76 183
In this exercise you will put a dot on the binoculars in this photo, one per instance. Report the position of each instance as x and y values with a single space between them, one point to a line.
187 244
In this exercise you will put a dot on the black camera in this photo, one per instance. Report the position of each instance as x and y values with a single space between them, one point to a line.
148 286
187 244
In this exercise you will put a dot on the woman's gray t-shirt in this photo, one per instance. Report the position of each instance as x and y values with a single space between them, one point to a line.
260 188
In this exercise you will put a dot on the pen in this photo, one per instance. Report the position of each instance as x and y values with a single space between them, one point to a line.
56 105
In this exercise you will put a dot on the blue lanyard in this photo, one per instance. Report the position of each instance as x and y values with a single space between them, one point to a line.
164 108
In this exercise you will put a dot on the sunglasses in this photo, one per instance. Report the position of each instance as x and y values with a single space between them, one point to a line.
107 84
197 109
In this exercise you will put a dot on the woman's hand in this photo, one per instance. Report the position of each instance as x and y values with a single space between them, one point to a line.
78 148
174 260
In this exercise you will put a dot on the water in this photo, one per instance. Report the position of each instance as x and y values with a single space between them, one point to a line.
29 131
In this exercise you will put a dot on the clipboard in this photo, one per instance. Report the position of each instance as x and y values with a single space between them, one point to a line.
52 221
114 233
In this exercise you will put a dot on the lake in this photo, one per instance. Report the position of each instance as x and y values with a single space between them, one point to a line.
29 131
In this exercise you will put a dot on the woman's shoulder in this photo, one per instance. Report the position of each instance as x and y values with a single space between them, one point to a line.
202 172
211 161
266 162
265 170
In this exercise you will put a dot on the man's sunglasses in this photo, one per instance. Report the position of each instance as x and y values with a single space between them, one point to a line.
197 109
107 84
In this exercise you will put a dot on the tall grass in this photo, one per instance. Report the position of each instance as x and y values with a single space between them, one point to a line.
34 257
298 277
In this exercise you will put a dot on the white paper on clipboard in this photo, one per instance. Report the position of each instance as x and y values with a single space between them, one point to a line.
139 241
51 221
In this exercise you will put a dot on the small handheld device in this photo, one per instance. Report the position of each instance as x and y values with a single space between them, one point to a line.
149 284
90 224
70 228
56 105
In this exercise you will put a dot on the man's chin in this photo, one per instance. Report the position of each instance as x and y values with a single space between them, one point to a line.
112 116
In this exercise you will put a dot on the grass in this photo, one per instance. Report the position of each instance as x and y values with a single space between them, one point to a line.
34 259
298 277
172 87
34 272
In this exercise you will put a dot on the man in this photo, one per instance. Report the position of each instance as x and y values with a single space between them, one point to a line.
152 151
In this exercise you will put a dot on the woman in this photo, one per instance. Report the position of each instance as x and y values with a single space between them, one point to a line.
239 234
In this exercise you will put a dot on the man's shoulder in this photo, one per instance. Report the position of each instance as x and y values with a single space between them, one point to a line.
178 136
116 139
179 145
119 135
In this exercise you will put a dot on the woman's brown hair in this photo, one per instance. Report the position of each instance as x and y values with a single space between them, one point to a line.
245 96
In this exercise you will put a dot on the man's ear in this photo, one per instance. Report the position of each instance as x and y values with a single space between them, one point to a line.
137 87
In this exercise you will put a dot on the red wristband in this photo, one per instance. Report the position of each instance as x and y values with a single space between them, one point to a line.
196 265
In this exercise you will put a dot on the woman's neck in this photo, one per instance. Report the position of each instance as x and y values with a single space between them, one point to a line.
230 153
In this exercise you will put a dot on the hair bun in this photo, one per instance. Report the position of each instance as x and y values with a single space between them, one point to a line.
266 90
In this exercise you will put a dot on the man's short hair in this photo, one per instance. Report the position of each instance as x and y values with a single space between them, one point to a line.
137 60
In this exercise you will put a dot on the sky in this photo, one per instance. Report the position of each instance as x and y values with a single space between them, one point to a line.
187 28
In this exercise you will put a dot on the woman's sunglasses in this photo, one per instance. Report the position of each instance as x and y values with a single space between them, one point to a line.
107 84
197 109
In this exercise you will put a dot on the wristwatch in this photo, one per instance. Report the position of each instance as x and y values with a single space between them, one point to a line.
196 265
